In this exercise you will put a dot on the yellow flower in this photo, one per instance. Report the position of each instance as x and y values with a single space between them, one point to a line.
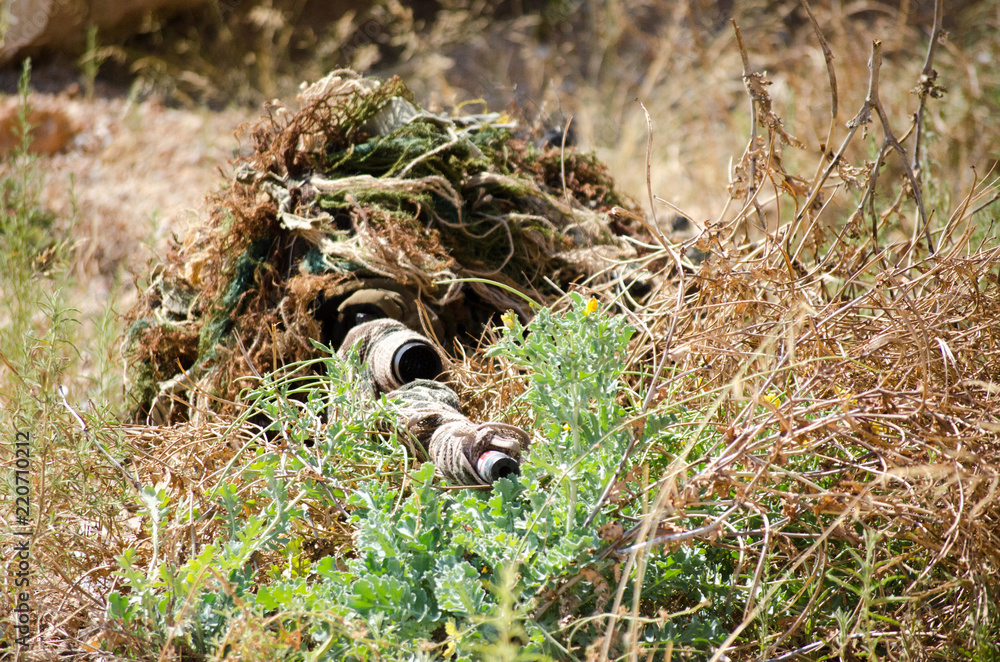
591 307
452 632
773 398
508 319
566 427
843 393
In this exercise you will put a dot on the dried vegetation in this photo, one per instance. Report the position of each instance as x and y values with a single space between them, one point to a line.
833 333
361 185
848 363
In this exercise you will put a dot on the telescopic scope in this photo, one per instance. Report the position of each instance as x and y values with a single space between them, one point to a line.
494 465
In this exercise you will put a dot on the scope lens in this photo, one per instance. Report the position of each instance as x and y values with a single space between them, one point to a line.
415 360
494 465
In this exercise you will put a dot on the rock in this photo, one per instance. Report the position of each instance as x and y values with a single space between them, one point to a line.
61 25
51 129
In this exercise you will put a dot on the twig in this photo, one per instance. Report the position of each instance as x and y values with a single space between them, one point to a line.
819 572
818 183
791 655
774 586
825 147
752 149
831 73
862 118
927 87
653 387
872 101
645 527
86 432
759 570
753 201
653 227
562 166
673 537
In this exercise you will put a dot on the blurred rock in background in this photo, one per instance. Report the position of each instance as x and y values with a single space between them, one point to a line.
33 26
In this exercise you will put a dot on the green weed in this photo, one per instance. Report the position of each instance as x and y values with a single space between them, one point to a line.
515 572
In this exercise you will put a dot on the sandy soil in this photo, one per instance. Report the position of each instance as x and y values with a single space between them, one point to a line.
131 175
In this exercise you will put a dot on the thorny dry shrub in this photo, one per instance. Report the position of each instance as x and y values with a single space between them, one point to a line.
845 368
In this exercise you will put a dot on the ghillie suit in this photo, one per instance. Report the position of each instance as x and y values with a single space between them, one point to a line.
361 207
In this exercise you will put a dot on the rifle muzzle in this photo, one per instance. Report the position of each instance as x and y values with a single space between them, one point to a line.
395 355
494 465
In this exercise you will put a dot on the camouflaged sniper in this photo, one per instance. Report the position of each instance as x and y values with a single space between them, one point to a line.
351 222
402 363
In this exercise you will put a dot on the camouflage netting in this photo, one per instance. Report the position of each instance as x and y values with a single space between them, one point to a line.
361 185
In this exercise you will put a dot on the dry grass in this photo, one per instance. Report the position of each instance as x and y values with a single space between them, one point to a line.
592 60
851 376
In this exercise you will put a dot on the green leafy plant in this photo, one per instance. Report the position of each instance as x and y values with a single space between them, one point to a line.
516 571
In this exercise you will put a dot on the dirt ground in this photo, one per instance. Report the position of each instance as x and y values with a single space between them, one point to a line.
127 174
